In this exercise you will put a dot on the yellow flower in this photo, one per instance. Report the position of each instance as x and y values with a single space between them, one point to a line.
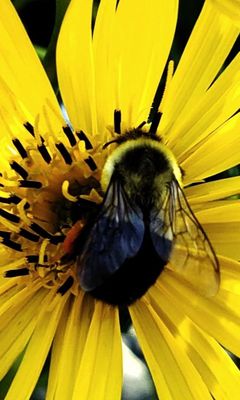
46 168
230 8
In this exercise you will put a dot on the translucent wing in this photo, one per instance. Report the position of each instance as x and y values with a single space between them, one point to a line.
191 254
116 235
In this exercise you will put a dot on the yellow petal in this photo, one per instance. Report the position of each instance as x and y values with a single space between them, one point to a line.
215 190
230 279
138 51
20 66
216 105
208 46
173 373
16 330
125 75
218 371
218 153
68 347
12 305
210 314
221 221
219 211
102 37
100 371
231 8
75 66
8 288
36 352
225 238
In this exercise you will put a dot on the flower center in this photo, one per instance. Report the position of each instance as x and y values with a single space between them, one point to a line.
45 190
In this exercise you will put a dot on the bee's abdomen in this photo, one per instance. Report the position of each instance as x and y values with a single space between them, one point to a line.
135 276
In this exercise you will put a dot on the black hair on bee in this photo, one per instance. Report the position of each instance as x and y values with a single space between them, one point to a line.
143 223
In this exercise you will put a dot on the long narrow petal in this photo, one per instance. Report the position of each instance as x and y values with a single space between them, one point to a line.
217 105
19 64
75 66
229 7
137 54
225 238
221 221
18 327
68 347
8 288
215 190
218 371
174 375
102 36
36 352
101 356
217 318
208 46
18 300
219 211
226 143
230 271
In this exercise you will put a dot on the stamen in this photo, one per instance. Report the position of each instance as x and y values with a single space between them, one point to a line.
19 169
117 121
38 137
21 150
40 231
10 200
46 235
66 286
34 258
64 152
11 244
91 163
9 225
155 123
12 273
45 153
70 135
9 216
57 239
42 251
29 235
29 127
82 136
30 184
5 234
8 183
22 206
66 194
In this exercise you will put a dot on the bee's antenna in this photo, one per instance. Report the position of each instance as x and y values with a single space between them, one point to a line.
117 121
141 125
108 143
155 123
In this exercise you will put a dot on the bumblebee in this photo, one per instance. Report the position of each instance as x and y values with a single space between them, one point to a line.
143 223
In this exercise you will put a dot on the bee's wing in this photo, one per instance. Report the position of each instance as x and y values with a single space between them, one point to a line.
116 235
192 254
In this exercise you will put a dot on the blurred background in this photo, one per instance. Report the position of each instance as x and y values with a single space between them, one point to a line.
42 20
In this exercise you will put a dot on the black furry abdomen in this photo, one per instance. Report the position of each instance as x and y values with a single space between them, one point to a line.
135 276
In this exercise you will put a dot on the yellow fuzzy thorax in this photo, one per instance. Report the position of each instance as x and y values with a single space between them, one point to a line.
131 144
